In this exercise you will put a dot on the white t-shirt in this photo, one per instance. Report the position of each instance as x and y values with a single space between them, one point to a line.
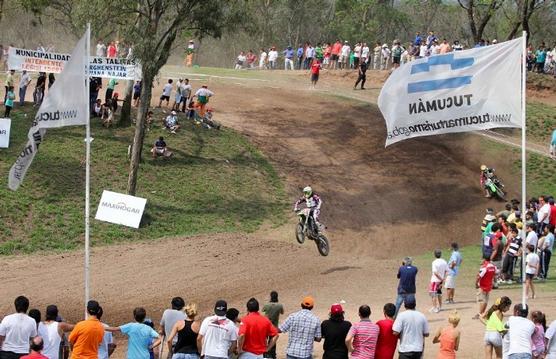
440 267
241 59
218 334
357 51
204 92
412 326
532 261
167 90
544 211
51 337
186 90
262 57
345 50
532 239
272 55
101 50
365 51
549 334
521 330
423 51
17 329
24 81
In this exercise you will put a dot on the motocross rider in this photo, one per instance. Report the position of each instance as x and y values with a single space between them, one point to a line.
312 201
485 174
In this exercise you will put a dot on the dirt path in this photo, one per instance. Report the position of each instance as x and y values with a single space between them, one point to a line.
379 204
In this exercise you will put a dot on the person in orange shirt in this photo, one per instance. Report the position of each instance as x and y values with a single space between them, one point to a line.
87 334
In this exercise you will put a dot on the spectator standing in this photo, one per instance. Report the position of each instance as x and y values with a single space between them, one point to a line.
334 332
87 335
539 345
543 214
36 347
376 56
186 90
9 101
551 341
397 51
186 331
273 310
484 285
112 51
363 336
101 49
309 56
531 238
51 80
299 54
10 81
288 58
365 51
110 89
448 337
23 84
520 332
357 55
40 85
173 315
362 75
387 341
140 336
335 54
304 329
315 71
136 93
343 61
553 148
546 250
240 60
532 269
263 56
254 331
551 202
512 253
52 332
494 327
407 274
540 58
412 328
107 346
272 57
453 268
218 334
166 93
16 330
439 270
418 39
203 95
384 57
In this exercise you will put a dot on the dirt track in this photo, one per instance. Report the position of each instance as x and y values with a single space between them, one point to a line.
379 204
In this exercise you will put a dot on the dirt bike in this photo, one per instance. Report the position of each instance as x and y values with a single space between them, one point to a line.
307 227
495 187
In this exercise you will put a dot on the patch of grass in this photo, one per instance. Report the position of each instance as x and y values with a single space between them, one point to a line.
216 182
540 122
541 174
217 71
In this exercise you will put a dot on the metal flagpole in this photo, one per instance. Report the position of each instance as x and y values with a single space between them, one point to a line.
87 165
523 161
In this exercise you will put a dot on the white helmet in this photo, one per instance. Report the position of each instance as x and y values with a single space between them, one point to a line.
307 191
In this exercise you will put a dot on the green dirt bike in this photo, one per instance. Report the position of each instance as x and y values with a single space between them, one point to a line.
495 187
307 227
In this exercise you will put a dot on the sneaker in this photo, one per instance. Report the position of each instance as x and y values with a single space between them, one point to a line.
432 310
436 310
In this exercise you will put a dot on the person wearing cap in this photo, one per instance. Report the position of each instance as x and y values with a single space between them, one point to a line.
87 335
170 317
334 332
304 329
254 331
52 332
218 335
16 330
36 346
412 327
363 335
142 338
406 285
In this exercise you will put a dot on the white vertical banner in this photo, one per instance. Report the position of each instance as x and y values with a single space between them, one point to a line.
469 90
5 125
63 105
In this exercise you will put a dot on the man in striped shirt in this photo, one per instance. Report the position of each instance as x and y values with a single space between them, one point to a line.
362 337
304 329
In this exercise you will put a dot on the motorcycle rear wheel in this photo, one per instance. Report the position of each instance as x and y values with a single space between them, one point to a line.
323 245
300 233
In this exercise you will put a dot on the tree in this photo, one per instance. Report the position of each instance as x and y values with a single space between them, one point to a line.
479 13
525 9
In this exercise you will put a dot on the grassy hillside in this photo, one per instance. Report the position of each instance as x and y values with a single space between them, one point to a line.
216 182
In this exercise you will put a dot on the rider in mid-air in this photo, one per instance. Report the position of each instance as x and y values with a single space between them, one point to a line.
485 174
312 201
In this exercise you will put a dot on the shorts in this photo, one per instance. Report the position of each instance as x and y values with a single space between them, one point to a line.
334 57
165 98
396 60
343 59
314 77
482 296
450 282
435 289
136 96
529 276
493 338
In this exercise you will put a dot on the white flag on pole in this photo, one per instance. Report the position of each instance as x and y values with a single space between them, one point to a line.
64 105
469 90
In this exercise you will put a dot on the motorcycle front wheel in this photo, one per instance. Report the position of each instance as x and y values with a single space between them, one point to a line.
323 245
300 233
501 195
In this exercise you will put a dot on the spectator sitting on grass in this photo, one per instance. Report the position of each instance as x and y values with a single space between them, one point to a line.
160 149
106 115
97 108
171 122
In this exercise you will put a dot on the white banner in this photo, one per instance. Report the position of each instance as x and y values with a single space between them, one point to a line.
5 124
120 209
469 90
38 61
63 105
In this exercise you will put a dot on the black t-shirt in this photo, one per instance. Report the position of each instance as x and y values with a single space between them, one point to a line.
363 68
334 334
160 143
